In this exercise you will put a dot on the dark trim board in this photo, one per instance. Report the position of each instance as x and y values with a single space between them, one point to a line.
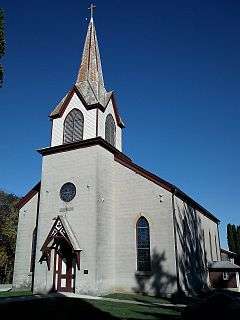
127 162
69 96
82 144
29 195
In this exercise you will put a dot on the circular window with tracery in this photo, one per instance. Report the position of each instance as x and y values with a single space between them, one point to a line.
67 192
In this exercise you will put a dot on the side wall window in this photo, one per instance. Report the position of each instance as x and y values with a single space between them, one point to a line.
143 245
73 126
110 130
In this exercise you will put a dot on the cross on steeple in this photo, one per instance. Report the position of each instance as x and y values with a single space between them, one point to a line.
92 7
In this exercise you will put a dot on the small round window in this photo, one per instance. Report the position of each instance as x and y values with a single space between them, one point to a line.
67 192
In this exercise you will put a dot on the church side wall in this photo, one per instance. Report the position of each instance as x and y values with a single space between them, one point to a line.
89 130
136 196
101 125
22 277
78 167
193 247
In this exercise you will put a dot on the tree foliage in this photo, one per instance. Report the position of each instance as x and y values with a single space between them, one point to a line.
8 231
2 44
233 237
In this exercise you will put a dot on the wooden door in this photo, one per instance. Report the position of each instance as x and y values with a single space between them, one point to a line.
64 271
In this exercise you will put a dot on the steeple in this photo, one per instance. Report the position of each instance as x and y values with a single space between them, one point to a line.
90 76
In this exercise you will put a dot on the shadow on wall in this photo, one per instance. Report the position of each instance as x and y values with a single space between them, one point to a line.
157 282
192 258
192 261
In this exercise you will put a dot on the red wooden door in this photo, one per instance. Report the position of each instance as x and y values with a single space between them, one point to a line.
64 272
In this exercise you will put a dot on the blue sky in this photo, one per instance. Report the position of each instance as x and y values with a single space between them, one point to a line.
175 68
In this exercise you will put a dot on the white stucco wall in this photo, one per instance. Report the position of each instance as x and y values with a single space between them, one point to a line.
136 196
78 167
22 277
212 227
193 245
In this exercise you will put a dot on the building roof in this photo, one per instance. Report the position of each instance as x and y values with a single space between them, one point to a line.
61 227
70 233
230 253
28 196
223 265
61 107
127 162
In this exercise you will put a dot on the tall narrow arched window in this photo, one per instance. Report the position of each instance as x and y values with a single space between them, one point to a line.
110 130
73 126
143 245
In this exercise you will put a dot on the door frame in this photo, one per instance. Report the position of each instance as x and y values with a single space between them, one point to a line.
70 272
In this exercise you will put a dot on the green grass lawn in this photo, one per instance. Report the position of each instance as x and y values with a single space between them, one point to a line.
6 294
63 307
137 297
132 311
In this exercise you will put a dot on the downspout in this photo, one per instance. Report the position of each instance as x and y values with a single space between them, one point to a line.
219 245
175 240
51 132
97 122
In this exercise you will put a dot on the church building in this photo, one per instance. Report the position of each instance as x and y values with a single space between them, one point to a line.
97 222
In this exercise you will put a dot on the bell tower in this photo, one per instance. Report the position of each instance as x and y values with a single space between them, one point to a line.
88 110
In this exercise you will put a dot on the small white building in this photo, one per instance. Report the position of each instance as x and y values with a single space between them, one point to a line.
99 223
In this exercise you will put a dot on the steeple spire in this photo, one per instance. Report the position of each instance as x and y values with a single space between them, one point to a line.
90 76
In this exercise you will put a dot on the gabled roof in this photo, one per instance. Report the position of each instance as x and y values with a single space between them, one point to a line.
61 228
29 195
61 107
223 265
230 253
60 232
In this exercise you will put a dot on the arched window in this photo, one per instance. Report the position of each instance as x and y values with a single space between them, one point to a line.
73 126
143 245
110 130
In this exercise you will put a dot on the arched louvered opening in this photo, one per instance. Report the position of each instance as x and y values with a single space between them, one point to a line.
143 245
73 126
110 130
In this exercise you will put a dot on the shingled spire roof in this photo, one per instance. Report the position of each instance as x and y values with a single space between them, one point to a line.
90 77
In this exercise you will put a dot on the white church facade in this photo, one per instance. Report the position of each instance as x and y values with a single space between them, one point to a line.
99 223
